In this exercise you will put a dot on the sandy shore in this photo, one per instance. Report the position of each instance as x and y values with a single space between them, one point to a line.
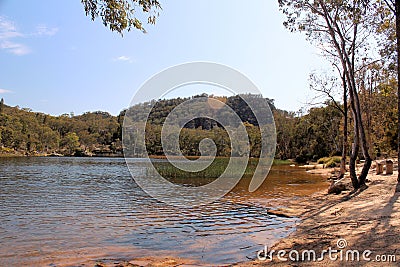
362 221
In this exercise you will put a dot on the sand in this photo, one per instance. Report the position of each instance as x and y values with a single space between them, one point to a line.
364 220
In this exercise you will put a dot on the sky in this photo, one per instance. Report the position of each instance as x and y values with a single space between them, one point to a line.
54 59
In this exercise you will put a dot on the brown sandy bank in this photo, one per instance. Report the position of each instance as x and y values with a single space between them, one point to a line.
364 220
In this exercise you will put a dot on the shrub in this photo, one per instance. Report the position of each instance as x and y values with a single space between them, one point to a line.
330 162
323 160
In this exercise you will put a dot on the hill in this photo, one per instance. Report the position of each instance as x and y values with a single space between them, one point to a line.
25 132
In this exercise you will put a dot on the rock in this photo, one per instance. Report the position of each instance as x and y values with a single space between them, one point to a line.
140 262
166 263
285 212
337 187
56 155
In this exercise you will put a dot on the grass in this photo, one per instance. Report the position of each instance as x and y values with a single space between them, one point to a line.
278 162
215 170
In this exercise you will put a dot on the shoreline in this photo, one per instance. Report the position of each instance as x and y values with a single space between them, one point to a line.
366 220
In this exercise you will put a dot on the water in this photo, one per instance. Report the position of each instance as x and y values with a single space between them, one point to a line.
64 210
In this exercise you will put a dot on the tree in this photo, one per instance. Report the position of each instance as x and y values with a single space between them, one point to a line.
120 15
285 123
339 28
71 142
394 6
378 97
1 105
327 85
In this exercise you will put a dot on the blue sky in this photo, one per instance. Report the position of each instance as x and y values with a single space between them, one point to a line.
55 60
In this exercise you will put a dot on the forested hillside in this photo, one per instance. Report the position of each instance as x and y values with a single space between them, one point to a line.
310 136
26 132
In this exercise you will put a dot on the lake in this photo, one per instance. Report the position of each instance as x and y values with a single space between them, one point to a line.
60 210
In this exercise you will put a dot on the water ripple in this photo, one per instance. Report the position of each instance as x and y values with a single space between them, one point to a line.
50 205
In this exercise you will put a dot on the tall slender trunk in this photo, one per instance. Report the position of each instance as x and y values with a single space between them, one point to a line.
364 146
347 58
345 131
355 148
359 131
358 122
397 9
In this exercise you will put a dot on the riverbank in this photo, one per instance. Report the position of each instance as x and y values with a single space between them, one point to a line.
362 221
12 154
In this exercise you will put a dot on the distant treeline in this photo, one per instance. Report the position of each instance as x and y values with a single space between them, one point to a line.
26 132
303 137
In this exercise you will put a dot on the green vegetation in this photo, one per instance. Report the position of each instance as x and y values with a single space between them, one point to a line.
25 132
199 128
282 162
122 15
310 136
330 162
306 137
215 170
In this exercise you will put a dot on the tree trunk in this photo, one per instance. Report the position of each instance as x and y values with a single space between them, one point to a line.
356 143
353 157
363 142
397 9
345 132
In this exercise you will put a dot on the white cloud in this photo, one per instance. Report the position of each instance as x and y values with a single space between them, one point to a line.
4 91
123 58
44 30
8 29
9 35
14 48
8 32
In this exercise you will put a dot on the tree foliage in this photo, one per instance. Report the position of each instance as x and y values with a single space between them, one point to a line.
122 15
305 137
31 132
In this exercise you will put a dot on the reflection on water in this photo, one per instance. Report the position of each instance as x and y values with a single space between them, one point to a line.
53 208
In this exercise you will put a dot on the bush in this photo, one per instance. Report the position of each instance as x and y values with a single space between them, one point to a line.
6 150
323 160
330 162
